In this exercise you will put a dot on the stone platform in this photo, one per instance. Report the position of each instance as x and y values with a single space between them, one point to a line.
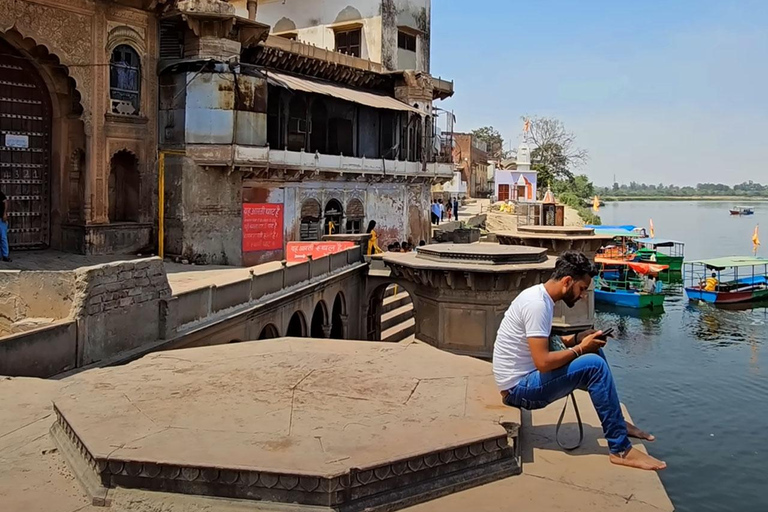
339 425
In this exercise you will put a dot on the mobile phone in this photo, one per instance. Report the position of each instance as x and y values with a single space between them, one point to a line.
608 332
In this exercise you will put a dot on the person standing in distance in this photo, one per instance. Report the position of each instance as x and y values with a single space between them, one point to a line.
4 246
531 376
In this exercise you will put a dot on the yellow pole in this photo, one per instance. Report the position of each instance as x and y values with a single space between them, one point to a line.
161 198
161 205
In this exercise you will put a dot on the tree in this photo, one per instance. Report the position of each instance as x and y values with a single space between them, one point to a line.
555 154
493 139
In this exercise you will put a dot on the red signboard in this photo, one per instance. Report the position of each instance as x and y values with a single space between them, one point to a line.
298 251
262 227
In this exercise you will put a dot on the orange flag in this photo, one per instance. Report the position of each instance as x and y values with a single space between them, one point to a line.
653 232
596 204
756 239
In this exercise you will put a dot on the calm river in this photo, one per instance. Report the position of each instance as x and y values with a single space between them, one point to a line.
697 376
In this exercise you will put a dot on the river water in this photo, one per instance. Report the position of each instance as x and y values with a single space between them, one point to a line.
694 375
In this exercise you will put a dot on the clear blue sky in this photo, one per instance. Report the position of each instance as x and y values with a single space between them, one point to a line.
669 91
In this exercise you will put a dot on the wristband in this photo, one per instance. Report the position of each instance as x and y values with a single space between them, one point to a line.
574 351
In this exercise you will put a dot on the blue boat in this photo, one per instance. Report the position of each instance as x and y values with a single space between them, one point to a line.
620 283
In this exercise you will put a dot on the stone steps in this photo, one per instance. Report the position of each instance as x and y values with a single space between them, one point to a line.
396 316
400 331
392 302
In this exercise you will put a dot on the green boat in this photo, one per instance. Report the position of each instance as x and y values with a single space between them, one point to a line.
663 252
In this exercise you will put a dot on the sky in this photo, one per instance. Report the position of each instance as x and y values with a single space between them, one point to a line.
672 92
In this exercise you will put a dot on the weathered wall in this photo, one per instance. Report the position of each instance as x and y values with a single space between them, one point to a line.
314 21
46 296
401 210
117 307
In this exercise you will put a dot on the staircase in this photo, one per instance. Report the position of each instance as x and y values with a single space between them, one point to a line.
397 321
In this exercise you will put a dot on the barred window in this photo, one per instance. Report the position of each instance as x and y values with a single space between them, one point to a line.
125 81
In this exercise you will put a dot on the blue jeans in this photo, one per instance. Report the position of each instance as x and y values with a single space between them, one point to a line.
4 239
589 372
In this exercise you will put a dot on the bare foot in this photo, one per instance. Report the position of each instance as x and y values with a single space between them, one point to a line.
633 431
636 459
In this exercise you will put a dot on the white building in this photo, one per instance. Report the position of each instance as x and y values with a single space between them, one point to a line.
520 183
394 33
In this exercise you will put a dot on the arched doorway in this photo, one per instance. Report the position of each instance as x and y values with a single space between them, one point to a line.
269 332
339 317
320 321
297 326
333 214
310 220
25 165
390 314
124 184
355 216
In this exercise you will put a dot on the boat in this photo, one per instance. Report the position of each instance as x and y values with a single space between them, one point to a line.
621 283
623 246
657 250
742 210
728 280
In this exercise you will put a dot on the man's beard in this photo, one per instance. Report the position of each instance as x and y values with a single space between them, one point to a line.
571 298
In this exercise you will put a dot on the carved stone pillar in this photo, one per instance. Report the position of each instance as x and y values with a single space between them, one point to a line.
89 174
253 6
326 330
344 326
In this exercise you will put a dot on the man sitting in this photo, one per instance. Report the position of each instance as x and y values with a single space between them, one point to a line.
531 376
711 283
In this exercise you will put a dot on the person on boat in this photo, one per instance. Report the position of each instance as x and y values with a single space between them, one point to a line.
711 284
373 242
531 376
649 284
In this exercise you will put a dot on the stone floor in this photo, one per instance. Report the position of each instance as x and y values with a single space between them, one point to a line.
35 477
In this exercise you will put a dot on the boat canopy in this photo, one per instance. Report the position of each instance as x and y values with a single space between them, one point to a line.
613 228
638 266
730 262
616 233
659 242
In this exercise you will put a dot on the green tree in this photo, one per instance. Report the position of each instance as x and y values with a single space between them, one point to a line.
493 139
554 153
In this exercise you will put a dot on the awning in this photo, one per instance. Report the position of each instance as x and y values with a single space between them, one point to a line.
343 93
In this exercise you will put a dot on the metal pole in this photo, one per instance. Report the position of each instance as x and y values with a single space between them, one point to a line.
161 205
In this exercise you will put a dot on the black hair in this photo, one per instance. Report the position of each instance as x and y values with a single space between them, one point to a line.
714 274
573 264
422 243
371 225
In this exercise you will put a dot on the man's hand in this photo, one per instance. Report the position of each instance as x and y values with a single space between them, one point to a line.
592 343
583 334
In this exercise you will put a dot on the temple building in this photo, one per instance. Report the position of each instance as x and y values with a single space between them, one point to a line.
515 180
265 139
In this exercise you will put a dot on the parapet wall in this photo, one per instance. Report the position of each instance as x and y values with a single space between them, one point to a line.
33 299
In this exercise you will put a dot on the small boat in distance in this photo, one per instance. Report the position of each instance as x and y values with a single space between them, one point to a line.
727 280
742 210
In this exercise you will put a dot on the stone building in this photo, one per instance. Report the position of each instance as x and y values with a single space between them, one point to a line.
269 140
78 120
471 157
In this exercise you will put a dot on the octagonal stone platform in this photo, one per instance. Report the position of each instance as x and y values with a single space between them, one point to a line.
340 425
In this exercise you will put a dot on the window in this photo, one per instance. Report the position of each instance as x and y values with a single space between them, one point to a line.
406 41
125 81
354 226
348 42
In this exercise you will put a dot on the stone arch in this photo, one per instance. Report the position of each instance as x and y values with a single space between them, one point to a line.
339 317
389 312
124 187
320 327
349 13
125 35
334 212
269 332
284 25
297 326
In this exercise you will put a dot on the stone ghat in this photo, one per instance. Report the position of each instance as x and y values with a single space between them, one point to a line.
338 424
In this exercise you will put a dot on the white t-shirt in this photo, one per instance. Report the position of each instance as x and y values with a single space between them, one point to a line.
529 316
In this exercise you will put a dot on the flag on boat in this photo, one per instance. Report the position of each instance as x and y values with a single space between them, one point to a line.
756 239
596 204
653 232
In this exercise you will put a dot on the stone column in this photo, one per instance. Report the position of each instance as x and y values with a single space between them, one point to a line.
326 330
344 325
87 175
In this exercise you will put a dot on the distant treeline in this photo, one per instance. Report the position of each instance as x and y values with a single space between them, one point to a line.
746 189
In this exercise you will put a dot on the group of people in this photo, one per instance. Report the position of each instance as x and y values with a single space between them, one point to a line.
448 211
373 242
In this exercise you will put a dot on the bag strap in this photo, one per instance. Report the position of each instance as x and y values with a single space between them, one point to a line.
560 424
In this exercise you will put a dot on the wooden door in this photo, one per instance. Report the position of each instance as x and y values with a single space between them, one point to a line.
25 135
503 193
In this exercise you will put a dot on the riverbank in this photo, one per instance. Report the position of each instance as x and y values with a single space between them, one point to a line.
739 199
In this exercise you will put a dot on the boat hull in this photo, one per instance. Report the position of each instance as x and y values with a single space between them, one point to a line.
696 294
630 299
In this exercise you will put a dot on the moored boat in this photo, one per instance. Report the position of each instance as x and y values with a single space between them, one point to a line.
664 252
629 284
727 280
742 210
